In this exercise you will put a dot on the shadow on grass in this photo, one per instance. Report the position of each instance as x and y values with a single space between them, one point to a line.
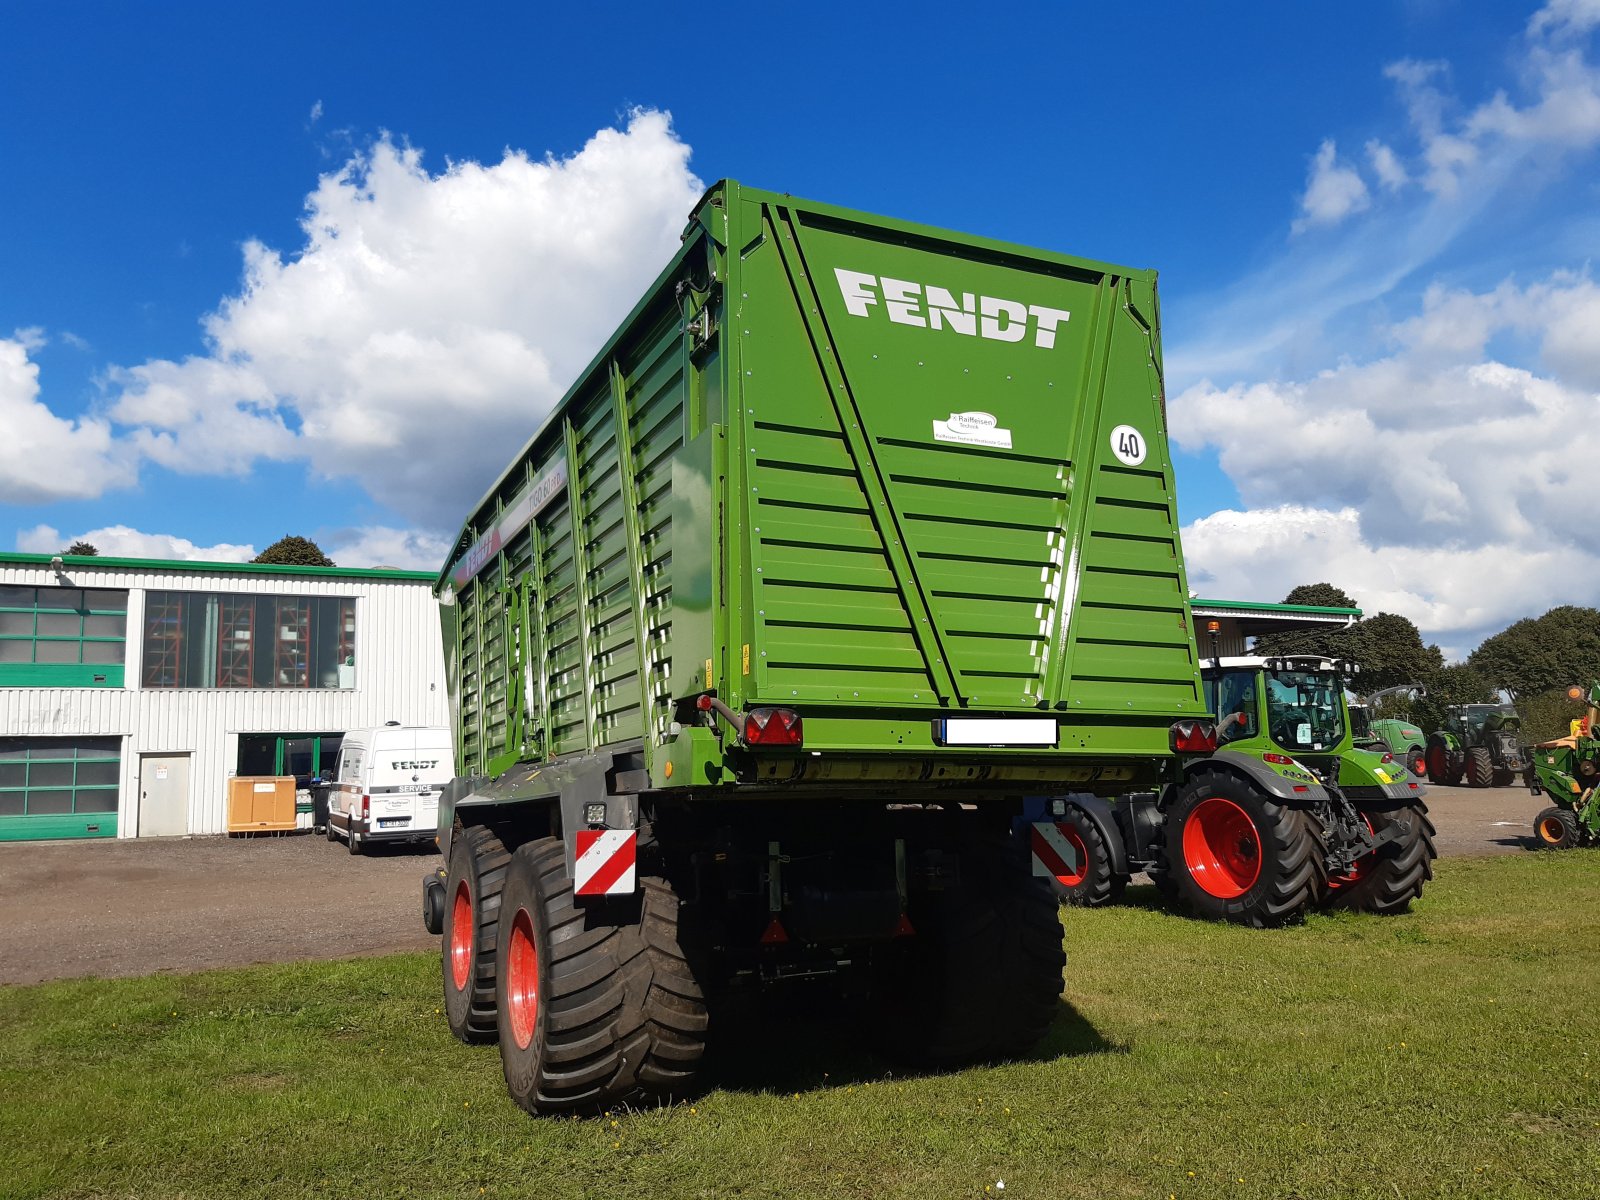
785 1044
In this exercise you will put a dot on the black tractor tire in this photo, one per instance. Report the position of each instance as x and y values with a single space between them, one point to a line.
1557 828
1095 884
1391 877
1416 762
1444 764
981 978
1480 766
475 877
597 1001
1235 854
1505 777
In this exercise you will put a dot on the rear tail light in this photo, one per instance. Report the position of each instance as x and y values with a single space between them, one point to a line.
1283 760
366 807
773 727
1192 737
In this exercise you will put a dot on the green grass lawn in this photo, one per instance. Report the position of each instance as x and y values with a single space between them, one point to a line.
1444 1053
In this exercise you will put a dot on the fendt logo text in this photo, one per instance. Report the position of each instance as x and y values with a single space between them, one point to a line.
423 765
932 307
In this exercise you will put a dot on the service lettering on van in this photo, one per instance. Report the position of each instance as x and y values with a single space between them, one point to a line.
422 765
933 307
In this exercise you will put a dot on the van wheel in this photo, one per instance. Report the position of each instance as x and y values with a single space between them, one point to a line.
329 832
597 1001
354 843
473 883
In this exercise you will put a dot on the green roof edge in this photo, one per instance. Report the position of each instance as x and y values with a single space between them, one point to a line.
197 565
1260 606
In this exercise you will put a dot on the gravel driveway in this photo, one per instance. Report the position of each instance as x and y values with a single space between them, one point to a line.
185 904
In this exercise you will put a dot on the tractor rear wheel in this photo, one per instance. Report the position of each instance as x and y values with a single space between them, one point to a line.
1093 883
1235 854
1388 879
596 999
1444 764
981 979
475 878
1480 766
1556 829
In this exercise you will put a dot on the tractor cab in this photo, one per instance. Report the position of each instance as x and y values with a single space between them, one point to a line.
1296 704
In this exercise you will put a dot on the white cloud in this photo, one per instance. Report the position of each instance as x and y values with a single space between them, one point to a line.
121 541
383 546
1386 166
1450 470
429 322
1333 190
1565 18
44 457
1457 595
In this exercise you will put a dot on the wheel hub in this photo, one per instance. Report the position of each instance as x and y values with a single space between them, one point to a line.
461 937
522 981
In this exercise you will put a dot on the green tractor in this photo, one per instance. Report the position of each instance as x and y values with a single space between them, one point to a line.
1568 771
1390 735
1480 743
1286 814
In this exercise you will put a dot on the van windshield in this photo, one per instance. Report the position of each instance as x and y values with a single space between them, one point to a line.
1303 710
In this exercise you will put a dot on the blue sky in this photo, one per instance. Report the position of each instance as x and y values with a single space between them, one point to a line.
318 268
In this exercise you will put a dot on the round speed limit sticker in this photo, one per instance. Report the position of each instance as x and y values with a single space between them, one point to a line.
1127 443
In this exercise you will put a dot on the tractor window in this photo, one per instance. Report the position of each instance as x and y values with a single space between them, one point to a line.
1235 706
1303 710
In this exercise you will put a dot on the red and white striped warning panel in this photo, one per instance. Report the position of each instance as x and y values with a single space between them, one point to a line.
1053 854
605 862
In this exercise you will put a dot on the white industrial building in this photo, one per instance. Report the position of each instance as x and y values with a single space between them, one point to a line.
131 689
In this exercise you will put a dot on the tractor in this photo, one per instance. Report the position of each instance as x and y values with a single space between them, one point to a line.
1390 735
1568 771
1479 744
1291 813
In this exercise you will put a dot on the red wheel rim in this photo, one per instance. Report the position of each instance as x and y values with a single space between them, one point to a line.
1082 851
461 937
522 980
1221 848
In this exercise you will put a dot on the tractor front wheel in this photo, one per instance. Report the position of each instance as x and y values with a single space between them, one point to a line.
1091 882
1556 829
1444 764
1387 880
1480 766
1417 762
1235 854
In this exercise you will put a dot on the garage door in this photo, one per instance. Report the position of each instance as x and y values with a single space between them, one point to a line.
59 787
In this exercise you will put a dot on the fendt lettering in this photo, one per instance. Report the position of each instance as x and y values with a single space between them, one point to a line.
933 307
420 765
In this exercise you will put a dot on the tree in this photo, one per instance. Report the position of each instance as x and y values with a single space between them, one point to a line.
1320 595
294 552
85 548
1458 683
1389 652
1541 654
1332 642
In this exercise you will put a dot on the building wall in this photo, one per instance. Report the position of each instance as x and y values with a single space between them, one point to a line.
399 675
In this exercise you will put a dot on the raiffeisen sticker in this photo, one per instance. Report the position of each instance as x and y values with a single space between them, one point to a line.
974 429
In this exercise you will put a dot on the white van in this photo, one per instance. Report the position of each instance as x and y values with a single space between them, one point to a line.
387 785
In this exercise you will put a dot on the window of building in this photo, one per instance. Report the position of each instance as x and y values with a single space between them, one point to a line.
62 626
238 640
58 776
